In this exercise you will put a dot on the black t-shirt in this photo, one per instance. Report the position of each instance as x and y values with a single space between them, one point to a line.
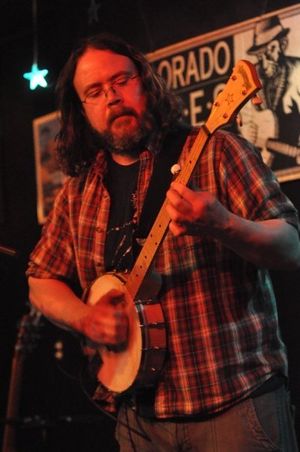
121 183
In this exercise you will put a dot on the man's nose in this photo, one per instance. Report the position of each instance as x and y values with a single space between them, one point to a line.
112 96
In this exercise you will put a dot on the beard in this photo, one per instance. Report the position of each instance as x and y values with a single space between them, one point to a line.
270 67
123 138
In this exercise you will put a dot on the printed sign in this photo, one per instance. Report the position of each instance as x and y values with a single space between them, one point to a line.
198 68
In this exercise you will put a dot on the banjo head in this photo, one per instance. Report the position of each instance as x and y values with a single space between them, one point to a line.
119 369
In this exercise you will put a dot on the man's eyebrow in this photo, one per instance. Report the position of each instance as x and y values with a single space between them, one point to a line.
111 79
118 74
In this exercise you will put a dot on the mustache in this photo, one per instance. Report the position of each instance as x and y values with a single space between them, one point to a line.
121 111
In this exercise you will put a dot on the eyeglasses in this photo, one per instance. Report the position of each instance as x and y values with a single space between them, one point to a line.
99 93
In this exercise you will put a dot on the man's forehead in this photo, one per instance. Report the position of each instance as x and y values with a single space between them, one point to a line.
104 60
99 66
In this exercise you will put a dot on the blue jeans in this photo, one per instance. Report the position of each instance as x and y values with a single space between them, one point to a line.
264 423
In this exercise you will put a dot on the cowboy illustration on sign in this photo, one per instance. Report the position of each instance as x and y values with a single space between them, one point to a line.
274 126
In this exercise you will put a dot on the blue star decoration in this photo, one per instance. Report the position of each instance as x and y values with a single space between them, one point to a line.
36 77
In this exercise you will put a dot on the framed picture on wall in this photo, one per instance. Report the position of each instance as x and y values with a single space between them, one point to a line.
49 178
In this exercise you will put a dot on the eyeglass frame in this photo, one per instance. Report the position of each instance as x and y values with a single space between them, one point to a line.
120 82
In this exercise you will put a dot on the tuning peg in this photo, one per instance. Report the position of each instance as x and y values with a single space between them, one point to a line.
256 100
175 169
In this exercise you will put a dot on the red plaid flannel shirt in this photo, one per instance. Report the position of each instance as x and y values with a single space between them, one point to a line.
223 334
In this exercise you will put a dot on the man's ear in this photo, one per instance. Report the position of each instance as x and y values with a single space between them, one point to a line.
284 43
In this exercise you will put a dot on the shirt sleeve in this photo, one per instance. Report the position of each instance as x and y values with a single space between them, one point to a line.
53 256
248 187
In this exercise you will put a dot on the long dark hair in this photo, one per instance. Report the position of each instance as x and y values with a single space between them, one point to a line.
76 143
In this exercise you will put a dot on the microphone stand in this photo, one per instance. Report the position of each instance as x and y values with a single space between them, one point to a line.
24 343
8 251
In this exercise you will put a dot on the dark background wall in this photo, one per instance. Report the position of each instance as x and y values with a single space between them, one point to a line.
60 417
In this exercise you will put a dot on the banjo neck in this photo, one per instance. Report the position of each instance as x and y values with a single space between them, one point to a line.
160 226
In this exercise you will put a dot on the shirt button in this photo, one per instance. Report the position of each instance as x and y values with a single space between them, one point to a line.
99 229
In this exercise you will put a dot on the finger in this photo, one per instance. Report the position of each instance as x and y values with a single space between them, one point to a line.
113 331
178 202
177 229
183 199
122 324
113 297
178 209
182 190
177 186
116 348
118 336
121 318
174 213
174 196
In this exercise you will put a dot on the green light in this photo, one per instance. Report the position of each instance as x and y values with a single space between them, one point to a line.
36 77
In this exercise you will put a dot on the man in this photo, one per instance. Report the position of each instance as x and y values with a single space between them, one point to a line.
223 383
278 117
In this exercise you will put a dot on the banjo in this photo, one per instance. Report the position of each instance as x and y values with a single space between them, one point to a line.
141 360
